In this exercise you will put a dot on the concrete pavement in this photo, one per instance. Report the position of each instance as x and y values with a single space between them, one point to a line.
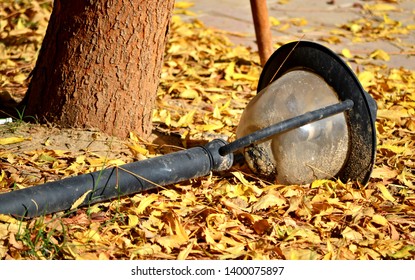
315 20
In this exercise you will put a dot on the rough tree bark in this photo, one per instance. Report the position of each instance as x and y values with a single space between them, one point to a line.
99 64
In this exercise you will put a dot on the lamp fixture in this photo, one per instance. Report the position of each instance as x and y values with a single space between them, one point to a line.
311 119
298 78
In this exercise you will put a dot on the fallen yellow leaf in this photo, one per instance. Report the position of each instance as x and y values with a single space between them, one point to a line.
80 200
380 7
393 148
147 249
346 53
144 203
138 149
12 140
209 127
367 79
8 219
298 21
274 21
183 5
386 194
269 200
380 54
132 221
350 234
171 241
406 252
378 219
185 252
20 78
189 94
186 119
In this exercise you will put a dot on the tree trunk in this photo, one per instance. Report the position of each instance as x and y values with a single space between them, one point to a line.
99 65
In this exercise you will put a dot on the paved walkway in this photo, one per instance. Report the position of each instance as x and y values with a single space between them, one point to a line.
320 17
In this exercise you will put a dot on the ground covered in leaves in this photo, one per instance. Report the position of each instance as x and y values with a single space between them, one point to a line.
206 83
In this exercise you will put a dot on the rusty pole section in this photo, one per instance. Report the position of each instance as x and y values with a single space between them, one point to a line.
262 29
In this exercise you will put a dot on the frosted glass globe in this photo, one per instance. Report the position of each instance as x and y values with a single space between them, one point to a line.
299 156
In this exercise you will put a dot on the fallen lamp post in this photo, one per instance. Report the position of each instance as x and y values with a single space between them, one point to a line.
311 119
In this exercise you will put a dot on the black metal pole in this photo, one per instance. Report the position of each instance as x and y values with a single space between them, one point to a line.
286 125
138 176
116 181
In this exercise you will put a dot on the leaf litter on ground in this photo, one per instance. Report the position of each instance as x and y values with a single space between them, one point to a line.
206 83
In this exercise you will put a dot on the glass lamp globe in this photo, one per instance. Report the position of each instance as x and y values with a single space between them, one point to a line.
299 78
299 156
